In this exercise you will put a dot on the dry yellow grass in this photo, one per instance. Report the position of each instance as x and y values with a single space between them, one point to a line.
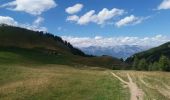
156 85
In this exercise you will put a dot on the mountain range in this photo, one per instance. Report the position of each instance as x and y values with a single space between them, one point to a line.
119 51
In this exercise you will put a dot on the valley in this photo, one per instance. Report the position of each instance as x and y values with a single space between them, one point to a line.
41 66
84 50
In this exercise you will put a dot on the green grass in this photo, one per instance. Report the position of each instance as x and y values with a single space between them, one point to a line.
61 82
53 82
20 56
14 55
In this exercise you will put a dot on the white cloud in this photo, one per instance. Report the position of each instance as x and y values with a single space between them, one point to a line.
100 18
130 20
164 5
72 18
74 9
34 26
8 20
115 41
105 15
86 18
34 7
38 21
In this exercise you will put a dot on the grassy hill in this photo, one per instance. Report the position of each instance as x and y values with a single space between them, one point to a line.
153 54
19 37
18 45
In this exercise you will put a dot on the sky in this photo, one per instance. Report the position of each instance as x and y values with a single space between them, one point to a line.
93 22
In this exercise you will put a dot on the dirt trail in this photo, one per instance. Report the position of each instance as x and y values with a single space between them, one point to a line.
136 93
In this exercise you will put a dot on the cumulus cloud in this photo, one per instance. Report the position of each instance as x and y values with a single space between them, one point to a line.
8 20
38 21
34 7
72 18
34 26
86 18
99 18
130 20
164 5
115 41
106 14
74 9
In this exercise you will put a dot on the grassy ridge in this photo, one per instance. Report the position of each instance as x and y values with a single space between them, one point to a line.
24 38
14 55
153 54
22 56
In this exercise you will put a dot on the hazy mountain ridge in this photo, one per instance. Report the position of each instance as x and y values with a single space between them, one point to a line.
119 51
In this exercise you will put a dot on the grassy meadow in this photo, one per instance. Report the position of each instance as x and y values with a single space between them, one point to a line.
57 82
27 75
60 82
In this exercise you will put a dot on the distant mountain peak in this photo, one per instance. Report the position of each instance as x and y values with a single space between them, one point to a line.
119 51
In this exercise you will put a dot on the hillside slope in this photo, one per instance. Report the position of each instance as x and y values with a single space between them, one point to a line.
153 54
23 38
20 45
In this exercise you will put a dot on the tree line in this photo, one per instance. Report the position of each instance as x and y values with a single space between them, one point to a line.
162 65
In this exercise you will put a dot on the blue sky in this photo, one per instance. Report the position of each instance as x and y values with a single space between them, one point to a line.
120 18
